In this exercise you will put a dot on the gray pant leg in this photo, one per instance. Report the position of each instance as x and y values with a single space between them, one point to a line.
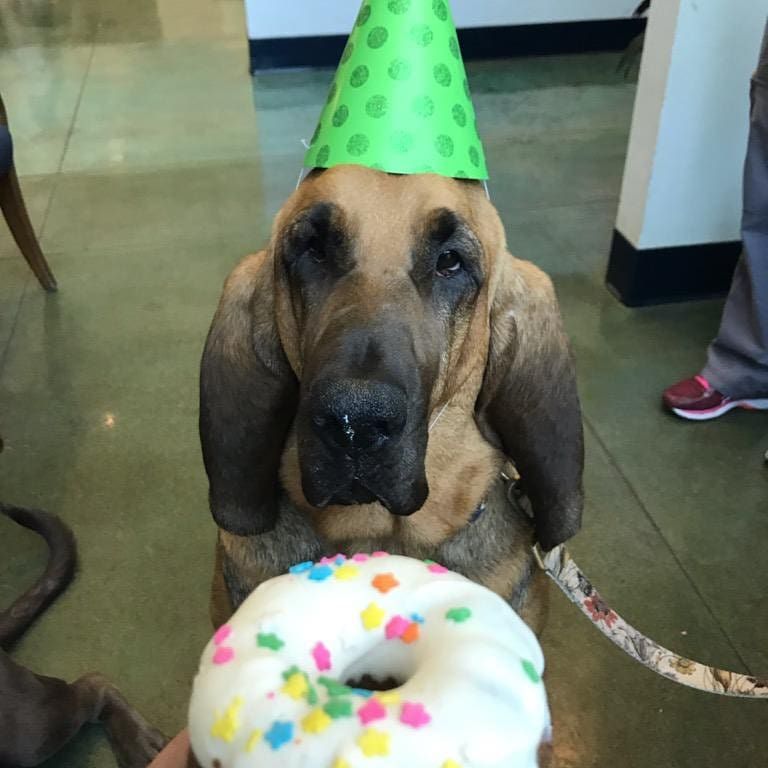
737 360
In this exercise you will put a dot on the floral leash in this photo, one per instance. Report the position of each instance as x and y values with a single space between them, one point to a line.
561 568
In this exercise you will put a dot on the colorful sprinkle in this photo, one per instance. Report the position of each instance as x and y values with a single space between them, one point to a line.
326 560
384 582
223 654
360 557
374 743
437 568
346 572
411 635
222 633
418 618
340 763
316 721
450 764
253 740
379 554
301 567
339 559
364 692
372 616
269 640
337 708
322 657
370 711
334 687
227 725
414 715
396 626
458 615
530 670
296 686
279 734
387 697
320 572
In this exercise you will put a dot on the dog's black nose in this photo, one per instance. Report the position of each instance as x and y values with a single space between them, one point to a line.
358 415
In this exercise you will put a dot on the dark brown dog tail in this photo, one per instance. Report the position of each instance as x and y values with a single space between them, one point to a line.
62 561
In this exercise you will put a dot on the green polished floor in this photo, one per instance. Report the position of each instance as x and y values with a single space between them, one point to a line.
148 173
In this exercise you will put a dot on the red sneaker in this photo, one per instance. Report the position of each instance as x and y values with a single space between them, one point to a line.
696 399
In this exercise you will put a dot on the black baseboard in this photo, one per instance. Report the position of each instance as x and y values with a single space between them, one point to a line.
476 43
661 275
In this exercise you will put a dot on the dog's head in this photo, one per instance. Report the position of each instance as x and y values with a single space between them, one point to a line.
379 298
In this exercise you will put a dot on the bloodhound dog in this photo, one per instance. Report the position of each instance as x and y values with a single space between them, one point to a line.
368 377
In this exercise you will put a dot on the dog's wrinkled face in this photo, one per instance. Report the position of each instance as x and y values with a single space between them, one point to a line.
377 313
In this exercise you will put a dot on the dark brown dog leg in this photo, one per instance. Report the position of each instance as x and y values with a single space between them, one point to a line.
134 741
39 715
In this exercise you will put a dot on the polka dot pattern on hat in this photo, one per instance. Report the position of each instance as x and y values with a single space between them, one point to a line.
400 100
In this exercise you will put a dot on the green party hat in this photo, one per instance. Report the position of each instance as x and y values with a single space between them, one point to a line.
400 101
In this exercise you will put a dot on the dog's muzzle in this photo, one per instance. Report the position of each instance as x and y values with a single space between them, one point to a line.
357 446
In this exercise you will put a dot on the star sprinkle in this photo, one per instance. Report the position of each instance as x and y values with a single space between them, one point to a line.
223 654
227 725
253 740
337 708
296 686
269 640
322 657
530 671
279 734
387 697
374 743
316 721
414 715
301 567
384 582
411 635
346 572
320 572
458 615
372 616
418 618
396 626
370 711
334 687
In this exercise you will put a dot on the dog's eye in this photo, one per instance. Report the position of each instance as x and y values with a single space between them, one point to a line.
448 264
315 254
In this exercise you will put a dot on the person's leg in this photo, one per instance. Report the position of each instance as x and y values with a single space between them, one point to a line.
737 360
736 371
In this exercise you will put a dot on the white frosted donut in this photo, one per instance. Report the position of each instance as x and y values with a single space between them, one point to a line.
270 689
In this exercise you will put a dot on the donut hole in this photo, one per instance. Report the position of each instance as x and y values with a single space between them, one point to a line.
370 683
386 666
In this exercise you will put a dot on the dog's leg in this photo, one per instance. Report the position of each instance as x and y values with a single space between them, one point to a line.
134 741
221 608
535 607
39 715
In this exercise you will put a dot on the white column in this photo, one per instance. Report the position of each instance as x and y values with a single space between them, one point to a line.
682 178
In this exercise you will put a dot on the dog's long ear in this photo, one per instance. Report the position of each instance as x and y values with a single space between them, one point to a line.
529 405
247 401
